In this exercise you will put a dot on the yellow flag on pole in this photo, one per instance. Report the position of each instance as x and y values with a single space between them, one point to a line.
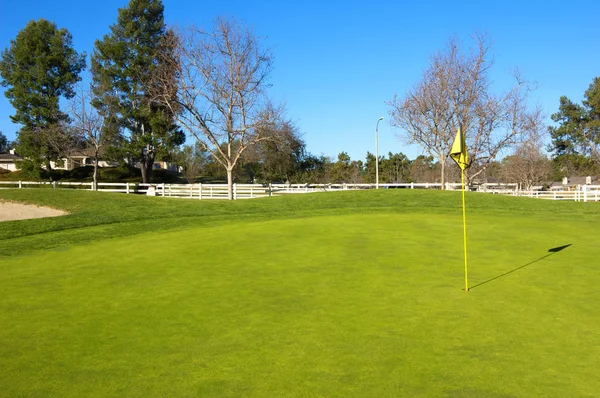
458 153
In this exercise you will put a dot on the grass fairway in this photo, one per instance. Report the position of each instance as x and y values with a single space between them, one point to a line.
334 294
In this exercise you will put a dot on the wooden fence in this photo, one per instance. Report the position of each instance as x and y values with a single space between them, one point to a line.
582 193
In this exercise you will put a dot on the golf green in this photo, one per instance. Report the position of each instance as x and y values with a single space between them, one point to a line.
358 304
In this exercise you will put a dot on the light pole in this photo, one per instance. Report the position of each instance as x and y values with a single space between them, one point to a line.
377 153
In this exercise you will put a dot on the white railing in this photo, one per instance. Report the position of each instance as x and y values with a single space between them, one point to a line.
302 188
192 191
581 193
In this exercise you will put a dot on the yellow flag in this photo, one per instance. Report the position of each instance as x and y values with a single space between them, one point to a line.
459 150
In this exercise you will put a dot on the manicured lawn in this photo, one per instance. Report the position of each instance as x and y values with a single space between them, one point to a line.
341 294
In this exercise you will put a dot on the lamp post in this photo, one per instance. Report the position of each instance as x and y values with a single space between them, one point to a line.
377 153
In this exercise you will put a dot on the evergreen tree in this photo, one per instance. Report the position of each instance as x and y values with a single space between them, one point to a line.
123 64
4 144
39 67
578 130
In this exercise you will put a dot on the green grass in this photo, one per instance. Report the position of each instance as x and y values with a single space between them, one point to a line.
341 294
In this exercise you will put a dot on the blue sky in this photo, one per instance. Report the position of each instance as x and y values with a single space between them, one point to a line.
338 62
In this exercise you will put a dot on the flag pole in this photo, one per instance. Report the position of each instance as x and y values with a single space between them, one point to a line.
462 175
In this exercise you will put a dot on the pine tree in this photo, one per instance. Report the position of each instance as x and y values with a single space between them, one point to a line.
39 67
123 64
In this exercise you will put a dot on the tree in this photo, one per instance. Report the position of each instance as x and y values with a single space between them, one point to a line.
279 159
578 132
4 143
39 68
313 169
423 169
455 91
220 91
92 128
193 161
124 64
528 166
396 168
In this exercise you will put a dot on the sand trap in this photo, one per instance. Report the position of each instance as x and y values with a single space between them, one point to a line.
18 211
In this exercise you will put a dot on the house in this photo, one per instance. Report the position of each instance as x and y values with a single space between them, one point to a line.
8 161
572 183
162 165
79 158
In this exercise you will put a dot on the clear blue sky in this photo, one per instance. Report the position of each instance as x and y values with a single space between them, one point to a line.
337 62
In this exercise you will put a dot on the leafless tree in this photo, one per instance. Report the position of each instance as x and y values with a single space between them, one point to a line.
456 91
528 166
219 94
89 126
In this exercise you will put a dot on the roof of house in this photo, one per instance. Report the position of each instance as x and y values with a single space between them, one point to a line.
577 180
9 157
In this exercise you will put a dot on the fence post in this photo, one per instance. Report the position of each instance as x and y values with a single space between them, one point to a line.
92 186
412 185
270 190
200 193
20 184
163 189
127 188
234 191
585 193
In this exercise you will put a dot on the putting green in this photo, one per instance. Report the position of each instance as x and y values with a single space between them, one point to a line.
349 305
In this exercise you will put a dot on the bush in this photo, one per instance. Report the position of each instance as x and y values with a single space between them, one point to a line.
82 173
121 172
30 171
167 177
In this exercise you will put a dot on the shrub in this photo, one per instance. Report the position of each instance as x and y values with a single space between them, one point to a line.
121 172
165 176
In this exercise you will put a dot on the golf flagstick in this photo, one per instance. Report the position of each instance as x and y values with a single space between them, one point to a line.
464 209
458 153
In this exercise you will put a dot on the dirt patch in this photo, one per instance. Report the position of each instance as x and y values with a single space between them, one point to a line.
18 211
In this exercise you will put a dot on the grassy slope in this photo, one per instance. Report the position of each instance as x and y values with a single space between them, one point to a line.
95 215
345 294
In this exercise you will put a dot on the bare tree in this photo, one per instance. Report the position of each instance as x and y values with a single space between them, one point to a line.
528 165
455 91
219 95
89 125
193 161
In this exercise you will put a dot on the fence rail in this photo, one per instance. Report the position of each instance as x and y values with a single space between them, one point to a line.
581 193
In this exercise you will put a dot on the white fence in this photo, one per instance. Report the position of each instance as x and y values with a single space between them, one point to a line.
197 191
582 193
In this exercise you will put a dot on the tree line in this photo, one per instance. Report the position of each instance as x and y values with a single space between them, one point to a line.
150 86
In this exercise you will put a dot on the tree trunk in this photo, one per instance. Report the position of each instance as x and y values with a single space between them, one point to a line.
443 164
95 173
146 165
230 182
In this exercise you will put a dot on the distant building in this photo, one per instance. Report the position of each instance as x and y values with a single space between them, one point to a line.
571 183
8 161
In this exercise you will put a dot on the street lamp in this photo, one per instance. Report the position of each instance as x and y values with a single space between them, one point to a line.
377 153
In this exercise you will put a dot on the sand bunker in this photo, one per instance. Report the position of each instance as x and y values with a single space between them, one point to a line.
18 211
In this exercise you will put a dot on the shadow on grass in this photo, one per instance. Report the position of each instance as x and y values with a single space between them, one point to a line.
550 252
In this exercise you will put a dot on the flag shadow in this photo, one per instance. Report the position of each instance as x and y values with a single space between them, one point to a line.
550 252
